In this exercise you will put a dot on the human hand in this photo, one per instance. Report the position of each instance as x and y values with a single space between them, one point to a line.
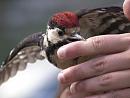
109 72
126 8
107 76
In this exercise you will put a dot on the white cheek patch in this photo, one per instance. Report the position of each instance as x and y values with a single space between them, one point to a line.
53 35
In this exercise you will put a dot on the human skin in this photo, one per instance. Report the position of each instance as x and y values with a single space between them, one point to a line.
107 75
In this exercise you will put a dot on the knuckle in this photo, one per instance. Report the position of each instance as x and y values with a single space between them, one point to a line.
99 66
105 80
97 42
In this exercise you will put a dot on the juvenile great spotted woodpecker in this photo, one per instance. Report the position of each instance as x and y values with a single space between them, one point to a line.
64 28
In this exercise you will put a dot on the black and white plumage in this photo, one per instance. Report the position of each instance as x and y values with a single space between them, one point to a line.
64 28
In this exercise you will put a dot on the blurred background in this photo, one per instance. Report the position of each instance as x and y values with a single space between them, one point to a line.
19 18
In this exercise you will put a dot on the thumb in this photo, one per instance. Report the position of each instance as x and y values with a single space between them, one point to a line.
126 8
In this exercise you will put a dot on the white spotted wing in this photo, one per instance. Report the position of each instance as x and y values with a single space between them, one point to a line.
27 51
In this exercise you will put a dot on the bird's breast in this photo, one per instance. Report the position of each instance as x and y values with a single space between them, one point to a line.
51 54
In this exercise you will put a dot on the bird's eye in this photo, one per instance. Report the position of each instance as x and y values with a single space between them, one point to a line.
51 27
61 33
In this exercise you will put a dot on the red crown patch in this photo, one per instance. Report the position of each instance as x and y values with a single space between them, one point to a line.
65 19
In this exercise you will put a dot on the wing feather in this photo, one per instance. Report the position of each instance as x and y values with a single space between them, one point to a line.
21 57
102 21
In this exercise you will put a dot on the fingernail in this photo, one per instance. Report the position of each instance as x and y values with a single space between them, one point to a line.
73 87
61 78
61 52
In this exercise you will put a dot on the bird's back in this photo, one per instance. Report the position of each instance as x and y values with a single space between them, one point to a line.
101 21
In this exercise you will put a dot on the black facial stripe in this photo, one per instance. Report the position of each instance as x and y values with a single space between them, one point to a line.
52 47
114 26
48 39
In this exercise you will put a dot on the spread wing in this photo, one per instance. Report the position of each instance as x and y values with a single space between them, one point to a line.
27 51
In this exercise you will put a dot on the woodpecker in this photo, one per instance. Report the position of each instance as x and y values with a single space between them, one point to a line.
63 28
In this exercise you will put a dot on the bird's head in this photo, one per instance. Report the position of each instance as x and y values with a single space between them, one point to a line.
63 26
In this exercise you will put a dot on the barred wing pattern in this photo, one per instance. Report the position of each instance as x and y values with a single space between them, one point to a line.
101 21
19 57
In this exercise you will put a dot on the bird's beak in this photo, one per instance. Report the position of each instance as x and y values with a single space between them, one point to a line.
75 37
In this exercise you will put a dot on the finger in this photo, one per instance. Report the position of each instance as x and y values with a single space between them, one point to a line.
104 83
104 44
124 93
61 89
67 94
95 67
126 8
